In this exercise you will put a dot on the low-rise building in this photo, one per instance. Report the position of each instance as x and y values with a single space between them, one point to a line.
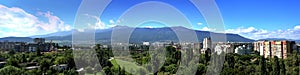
242 50
146 43
298 47
39 43
223 47
21 47
46 47
7 45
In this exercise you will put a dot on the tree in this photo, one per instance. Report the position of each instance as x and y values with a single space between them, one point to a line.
11 52
201 69
207 56
277 66
13 62
107 70
38 51
72 72
61 60
44 65
263 65
11 70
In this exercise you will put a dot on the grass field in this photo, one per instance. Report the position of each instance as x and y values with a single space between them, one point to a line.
129 66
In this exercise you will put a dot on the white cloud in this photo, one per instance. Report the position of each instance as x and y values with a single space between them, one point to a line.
111 21
255 33
297 27
118 21
110 26
207 29
242 30
199 23
99 24
148 27
17 22
54 23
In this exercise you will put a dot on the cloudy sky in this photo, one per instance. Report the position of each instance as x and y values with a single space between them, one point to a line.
255 19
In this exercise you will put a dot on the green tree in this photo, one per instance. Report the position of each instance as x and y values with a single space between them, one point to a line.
38 51
11 52
277 66
263 65
61 60
201 69
44 65
13 62
11 70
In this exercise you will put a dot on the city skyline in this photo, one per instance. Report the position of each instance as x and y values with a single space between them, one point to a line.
254 19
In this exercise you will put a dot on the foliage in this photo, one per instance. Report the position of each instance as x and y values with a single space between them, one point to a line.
146 63
11 70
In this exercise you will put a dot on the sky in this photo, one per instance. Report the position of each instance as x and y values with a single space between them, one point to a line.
254 19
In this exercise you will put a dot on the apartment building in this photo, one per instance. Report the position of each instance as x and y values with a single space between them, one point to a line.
274 48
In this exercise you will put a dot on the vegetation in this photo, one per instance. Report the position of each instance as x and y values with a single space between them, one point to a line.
145 63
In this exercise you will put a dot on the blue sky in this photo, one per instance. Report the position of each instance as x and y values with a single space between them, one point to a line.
255 19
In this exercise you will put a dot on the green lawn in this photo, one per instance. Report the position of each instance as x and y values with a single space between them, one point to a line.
129 66
93 74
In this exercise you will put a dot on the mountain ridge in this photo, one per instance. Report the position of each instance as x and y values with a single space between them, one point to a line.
143 34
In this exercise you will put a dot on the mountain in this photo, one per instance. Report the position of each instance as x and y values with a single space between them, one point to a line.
61 33
65 33
139 35
297 41
155 34
16 39
274 39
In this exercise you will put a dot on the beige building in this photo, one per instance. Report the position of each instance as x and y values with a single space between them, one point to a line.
274 48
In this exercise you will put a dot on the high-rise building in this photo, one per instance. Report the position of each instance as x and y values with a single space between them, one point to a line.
274 48
207 43
259 47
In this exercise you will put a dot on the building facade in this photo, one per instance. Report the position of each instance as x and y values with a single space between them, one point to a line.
7 45
207 43
242 50
39 40
39 43
274 48
298 47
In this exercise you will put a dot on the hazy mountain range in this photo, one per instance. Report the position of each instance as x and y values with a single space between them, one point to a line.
138 35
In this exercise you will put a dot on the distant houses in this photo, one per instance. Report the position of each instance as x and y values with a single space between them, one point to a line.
298 47
7 45
38 43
